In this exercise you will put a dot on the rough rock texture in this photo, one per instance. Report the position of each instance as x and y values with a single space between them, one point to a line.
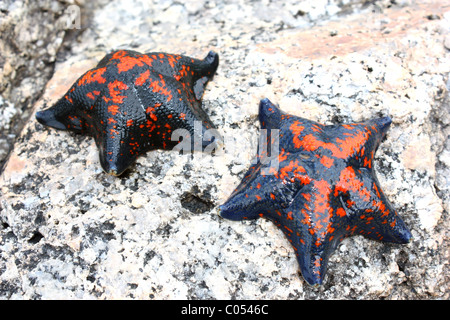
68 230
31 33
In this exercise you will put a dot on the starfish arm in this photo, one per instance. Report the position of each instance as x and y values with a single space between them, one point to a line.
118 123
366 140
311 244
357 141
57 115
68 113
269 115
243 203
369 211
382 124
183 66
386 225
380 221
193 74
313 263
264 191
203 71
208 66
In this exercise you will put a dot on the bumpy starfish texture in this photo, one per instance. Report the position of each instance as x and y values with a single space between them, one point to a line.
325 188
132 103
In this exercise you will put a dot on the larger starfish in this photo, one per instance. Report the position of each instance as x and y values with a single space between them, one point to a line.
324 190
132 103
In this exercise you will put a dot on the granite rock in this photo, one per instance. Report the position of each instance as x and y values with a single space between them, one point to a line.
31 35
70 231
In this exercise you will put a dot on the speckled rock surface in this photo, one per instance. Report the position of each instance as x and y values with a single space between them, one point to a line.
68 230
31 35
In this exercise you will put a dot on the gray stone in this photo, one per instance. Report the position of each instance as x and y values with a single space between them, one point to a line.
31 33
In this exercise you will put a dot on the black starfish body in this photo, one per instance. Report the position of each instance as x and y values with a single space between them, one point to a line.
324 190
132 103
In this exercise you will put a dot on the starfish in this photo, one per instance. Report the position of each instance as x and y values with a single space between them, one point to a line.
132 103
324 190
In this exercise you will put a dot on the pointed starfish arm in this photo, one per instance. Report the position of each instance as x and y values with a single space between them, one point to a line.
367 208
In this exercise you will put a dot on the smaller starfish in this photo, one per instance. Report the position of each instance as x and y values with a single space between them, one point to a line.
132 103
324 190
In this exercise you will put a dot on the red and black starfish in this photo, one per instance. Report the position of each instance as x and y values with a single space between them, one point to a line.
325 188
132 103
